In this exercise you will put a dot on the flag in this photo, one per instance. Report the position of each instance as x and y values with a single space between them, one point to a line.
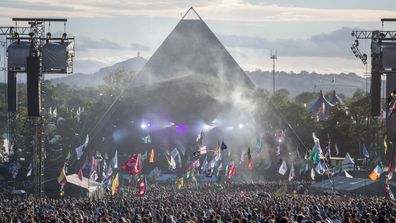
223 146
387 187
107 170
146 139
319 168
85 164
316 140
291 174
133 165
249 159
142 187
304 168
202 150
376 173
337 151
242 156
328 153
175 153
196 164
385 145
93 163
283 168
172 163
312 174
107 182
179 183
151 160
316 158
200 138
226 169
258 145
94 175
68 156
80 174
347 174
80 149
62 177
189 173
143 157
114 161
114 185
231 171
365 152
218 151
30 168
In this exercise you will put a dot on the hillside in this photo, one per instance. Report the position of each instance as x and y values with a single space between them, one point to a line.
294 82
93 80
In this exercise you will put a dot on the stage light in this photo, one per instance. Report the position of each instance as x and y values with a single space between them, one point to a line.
280 140
240 125
143 126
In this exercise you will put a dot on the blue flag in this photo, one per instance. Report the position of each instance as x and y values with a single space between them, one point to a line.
365 152
223 146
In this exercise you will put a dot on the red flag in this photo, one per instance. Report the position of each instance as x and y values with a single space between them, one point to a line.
142 188
231 171
80 174
133 165
250 164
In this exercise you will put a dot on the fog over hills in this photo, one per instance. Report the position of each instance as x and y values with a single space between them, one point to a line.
294 82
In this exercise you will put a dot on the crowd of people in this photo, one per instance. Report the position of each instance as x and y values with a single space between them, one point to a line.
207 202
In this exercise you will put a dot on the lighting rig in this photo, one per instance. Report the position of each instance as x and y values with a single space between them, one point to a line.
383 61
32 51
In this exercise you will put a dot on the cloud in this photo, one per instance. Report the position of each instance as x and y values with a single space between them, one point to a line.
86 43
334 44
140 47
229 10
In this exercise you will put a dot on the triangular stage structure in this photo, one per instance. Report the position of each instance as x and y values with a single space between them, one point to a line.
321 106
336 100
192 49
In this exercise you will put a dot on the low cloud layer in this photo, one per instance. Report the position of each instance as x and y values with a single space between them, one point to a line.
334 44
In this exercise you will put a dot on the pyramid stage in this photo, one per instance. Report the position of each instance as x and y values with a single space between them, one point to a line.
190 79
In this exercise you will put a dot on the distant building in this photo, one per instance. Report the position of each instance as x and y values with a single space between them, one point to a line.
321 107
336 100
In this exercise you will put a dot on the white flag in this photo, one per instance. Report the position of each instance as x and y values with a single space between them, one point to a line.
80 149
319 169
114 161
347 174
312 174
283 168
291 174
175 153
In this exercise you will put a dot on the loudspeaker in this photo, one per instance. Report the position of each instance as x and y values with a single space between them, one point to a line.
375 94
12 91
33 86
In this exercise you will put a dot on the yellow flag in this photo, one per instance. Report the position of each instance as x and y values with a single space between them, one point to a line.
179 183
385 145
151 156
114 185
61 176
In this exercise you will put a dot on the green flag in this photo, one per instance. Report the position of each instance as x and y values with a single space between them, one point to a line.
316 157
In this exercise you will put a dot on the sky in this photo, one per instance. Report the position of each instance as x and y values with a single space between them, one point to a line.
310 35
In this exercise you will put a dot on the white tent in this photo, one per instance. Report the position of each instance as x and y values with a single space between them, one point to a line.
348 163
95 189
